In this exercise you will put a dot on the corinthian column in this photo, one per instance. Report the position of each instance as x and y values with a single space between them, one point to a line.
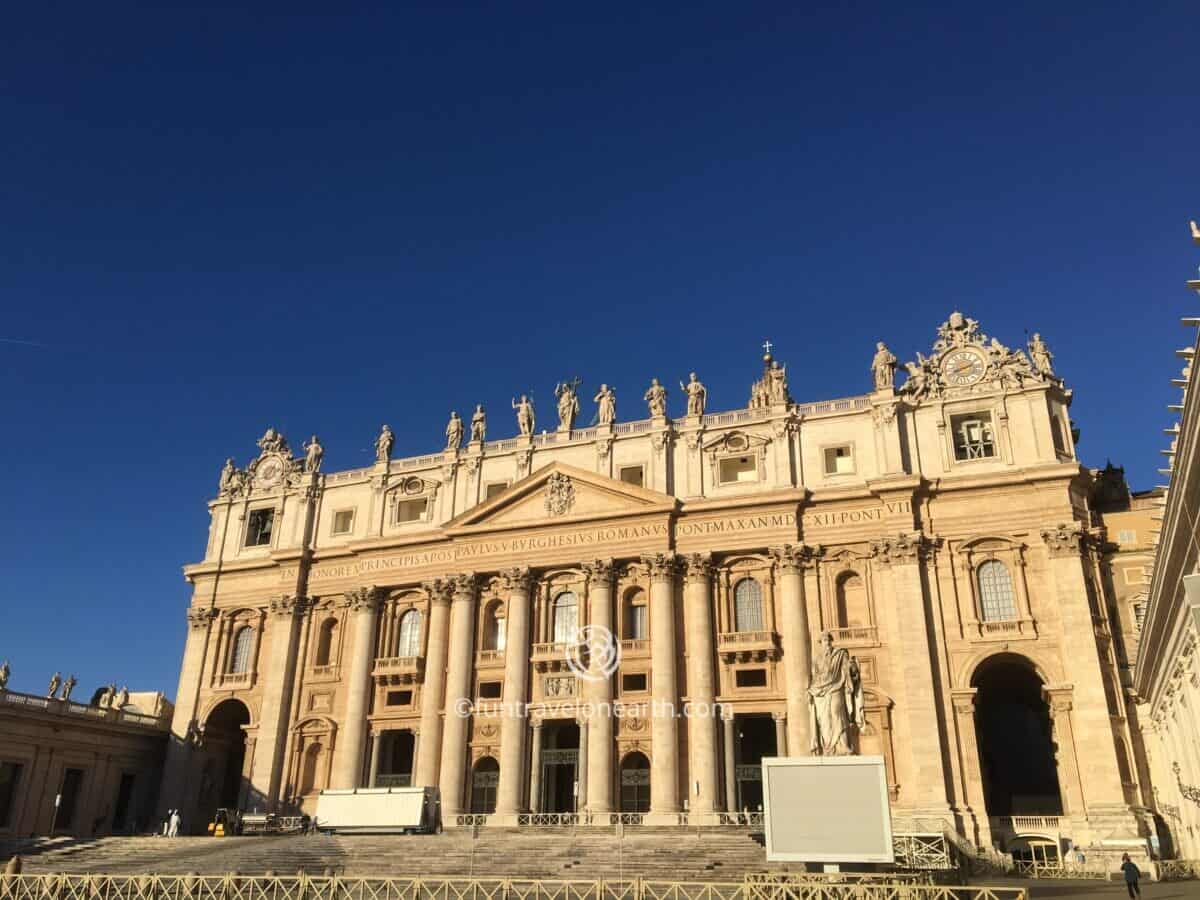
433 692
516 684
598 687
797 642
277 674
701 723
664 733
364 608
458 695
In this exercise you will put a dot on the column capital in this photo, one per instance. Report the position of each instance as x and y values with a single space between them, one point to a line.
662 566
536 722
698 568
439 590
285 606
365 599
517 578
796 557
964 700
1064 540
464 584
1060 697
200 617
906 548
779 716
599 571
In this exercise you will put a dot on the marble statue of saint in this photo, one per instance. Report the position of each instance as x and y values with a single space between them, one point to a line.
313 454
1043 361
606 405
777 387
525 417
5 671
478 424
656 397
68 686
55 681
454 431
568 403
835 699
384 444
122 698
697 395
227 477
883 366
106 699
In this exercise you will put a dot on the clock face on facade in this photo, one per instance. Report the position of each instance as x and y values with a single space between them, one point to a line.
269 472
964 367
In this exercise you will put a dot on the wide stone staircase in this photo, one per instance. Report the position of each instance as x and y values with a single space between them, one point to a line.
661 854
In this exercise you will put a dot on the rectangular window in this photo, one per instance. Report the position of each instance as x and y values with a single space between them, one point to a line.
973 436
399 698
751 678
839 460
343 521
633 683
259 526
489 690
10 777
496 487
411 510
632 475
738 469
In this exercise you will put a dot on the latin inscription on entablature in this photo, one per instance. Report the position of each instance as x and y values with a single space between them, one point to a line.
834 518
734 524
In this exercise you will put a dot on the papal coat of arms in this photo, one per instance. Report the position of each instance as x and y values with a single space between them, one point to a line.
560 494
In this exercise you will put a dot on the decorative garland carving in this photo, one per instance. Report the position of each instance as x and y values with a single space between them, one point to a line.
1064 540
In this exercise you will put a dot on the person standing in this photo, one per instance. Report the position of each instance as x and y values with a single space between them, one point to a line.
1132 875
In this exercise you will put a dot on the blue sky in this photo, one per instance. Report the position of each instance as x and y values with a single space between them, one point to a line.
327 217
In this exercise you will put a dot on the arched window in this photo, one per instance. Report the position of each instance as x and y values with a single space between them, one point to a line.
493 627
997 602
636 619
239 657
325 642
566 618
409 643
852 602
635 783
747 605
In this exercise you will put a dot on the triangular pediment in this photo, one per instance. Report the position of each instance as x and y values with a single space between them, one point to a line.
559 493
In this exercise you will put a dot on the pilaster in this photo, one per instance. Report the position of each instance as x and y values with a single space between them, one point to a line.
968 751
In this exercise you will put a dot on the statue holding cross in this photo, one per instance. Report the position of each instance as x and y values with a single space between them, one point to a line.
568 403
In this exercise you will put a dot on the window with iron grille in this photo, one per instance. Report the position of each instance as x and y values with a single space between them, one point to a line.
409 643
997 599
243 643
566 618
747 603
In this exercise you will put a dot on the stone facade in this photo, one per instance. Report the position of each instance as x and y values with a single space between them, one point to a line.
1166 677
102 763
414 621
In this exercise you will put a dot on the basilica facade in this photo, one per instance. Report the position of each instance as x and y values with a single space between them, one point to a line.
617 621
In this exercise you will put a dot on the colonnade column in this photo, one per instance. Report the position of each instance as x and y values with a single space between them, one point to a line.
516 684
458 695
790 562
730 761
535 768
904 555
363 607
433 688
598 692
376 749
701 722
972 774
664 734
277 674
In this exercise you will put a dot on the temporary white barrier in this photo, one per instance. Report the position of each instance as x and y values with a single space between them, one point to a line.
377 810
827 809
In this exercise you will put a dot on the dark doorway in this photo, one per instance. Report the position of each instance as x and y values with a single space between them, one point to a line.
485 777
1016 751
635 783
560 761
396 759
68 799
755 738
121 807
225 746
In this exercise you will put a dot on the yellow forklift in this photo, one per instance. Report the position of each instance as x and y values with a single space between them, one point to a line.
225 822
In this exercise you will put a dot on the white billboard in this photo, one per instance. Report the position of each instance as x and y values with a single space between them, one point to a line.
827 809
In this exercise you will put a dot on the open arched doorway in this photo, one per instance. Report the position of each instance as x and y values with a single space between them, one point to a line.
485 776
221 786
635 783
1016 749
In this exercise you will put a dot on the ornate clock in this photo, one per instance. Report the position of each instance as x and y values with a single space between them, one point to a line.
269 472
964 367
